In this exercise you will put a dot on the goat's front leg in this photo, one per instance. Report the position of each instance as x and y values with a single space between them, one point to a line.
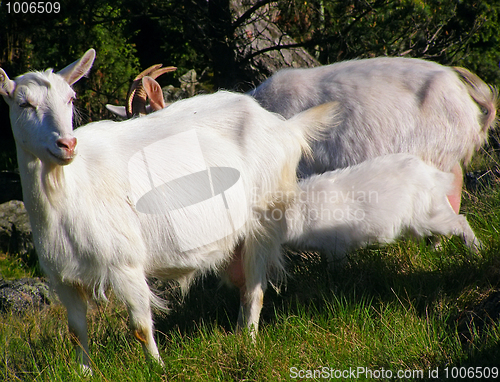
467 234
455 195
75 301
131 287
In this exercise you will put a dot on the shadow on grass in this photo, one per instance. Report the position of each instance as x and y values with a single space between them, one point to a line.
207 303
481 364
464 280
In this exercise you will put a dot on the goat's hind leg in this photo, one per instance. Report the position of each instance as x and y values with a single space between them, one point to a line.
251 285
258 258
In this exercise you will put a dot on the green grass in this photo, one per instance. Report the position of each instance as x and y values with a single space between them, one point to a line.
405 307
12 267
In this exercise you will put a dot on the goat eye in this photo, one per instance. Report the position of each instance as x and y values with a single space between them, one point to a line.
25 105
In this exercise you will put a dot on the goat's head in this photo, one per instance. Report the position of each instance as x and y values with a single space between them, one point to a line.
143 87
41 110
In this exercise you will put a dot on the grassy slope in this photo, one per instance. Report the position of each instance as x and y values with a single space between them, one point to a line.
404 307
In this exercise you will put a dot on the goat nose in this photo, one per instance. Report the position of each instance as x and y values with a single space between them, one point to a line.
67 144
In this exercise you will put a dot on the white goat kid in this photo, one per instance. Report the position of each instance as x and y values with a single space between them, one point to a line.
389 105
169 195
375 201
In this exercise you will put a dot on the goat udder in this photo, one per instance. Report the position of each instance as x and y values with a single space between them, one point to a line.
235 269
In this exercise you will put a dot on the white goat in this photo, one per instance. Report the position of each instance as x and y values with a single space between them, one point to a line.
389 105
169 195
375 201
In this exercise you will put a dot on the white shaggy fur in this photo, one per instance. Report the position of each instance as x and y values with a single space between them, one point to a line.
89 232
376 201
388 105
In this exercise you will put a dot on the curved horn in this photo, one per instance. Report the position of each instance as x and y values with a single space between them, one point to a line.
137 96
157 73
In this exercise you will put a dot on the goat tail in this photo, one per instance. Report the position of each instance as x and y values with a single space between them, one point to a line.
316 122
484 95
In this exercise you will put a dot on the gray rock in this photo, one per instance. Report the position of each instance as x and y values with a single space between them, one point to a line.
21 295
15 229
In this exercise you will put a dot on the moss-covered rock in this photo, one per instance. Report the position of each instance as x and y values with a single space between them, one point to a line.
23 294
15 229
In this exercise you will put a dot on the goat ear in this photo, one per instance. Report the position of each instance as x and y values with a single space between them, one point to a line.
155 95
7 86
119 111
79 68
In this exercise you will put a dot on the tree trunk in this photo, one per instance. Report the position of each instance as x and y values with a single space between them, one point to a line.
258 42
246 45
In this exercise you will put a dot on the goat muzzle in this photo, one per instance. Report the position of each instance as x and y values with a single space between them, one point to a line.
68 146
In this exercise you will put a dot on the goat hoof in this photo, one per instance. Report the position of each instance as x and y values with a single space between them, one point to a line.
86 371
